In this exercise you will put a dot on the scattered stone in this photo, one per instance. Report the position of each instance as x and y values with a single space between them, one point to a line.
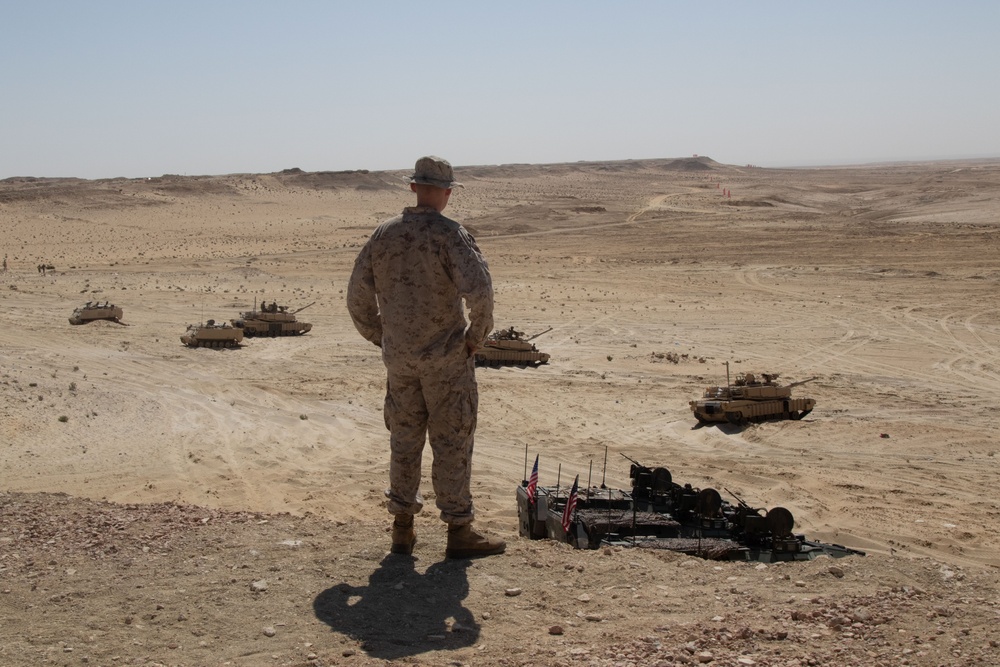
269 631
705 657
259 586
512 592
836 571
555 630
584 598
348 652
593 618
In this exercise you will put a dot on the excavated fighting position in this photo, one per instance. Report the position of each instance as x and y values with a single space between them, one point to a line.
95 310
751 399
271 320
658 513
509 347
211 334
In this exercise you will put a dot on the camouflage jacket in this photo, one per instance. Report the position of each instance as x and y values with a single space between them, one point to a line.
406 291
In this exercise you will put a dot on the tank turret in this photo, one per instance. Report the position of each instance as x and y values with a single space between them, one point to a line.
751 398
271 320
509 347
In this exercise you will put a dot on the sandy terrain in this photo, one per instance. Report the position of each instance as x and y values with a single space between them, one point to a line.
176 506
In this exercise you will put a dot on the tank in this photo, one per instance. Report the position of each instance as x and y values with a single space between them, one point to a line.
751 399
211 334
271 320
509 347
95 310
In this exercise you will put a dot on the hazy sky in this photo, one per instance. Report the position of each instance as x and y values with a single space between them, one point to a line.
141 88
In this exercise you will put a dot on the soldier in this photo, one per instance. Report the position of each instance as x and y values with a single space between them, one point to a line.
405 296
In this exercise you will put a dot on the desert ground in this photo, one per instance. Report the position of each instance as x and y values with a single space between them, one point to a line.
163 505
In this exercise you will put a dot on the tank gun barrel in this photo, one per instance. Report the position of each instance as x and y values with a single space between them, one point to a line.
539 334
796 384
303 307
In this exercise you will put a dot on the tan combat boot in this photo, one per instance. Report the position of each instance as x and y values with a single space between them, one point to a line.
403 537
464 542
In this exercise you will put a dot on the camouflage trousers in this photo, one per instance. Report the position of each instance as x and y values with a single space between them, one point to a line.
441 407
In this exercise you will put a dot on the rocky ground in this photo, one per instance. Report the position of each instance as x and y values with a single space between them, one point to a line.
87 582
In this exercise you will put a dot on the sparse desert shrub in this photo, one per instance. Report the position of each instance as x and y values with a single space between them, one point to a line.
63 418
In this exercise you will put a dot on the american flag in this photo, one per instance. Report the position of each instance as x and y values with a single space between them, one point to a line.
567 516
533 481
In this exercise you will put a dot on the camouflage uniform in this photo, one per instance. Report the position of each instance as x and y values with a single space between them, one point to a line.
405 295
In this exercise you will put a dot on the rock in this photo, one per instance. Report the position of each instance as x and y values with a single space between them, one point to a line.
583 598
555 630
836 571
259 586
860 616
705 657
593 618
512 592
269 631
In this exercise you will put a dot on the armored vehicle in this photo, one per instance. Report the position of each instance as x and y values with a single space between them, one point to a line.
751 398
95 310
211 334
509 347
659 513
271 320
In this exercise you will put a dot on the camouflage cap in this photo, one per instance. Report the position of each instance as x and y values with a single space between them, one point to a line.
432 170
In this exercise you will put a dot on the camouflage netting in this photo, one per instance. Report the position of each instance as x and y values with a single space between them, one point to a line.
603 521
709 547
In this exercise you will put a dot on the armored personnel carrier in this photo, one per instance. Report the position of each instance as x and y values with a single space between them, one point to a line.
751 398
509 347
271 320
659 513
211 334
95 310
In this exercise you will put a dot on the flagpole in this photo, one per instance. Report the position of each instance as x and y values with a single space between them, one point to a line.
558 477
589 475
525 461
573 515
604 474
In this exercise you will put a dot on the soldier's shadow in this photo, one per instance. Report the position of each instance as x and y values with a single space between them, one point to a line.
402 612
